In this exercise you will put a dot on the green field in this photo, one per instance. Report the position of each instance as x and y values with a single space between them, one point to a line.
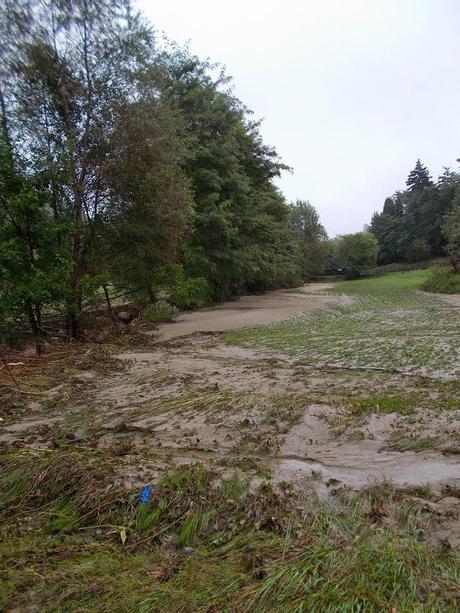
388 326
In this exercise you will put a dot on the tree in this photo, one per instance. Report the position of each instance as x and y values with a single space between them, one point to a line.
418 178
310 237
358 253
82 80
135 162
151 200
34 262
418 250
410 224
451 228
240 236
389 227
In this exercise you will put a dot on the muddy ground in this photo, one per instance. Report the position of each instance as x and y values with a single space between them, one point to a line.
185 395
250 311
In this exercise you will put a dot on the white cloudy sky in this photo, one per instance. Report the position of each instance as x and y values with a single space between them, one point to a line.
351 91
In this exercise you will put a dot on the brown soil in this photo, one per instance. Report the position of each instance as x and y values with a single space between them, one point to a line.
250 311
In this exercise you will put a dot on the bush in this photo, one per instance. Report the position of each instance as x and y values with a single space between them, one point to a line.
442 280
180 290
189 292
159 312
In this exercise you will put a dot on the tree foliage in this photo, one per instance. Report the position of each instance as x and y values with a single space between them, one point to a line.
451 229
357 253
240 237
131 163
410 226
310 237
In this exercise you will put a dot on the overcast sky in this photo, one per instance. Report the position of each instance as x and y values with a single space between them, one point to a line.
352 92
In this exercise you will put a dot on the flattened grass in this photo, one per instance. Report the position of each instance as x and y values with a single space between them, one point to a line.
389 327
400 442
202 543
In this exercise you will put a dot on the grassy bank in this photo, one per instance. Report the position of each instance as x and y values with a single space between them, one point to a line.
71 541
443 281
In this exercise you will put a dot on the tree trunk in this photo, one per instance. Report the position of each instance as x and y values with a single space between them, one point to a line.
109 304
73 324
34 315
74 311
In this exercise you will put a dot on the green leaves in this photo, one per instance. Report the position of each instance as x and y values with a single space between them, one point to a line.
34 259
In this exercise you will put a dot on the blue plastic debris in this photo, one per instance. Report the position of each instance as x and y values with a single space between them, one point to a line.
145 494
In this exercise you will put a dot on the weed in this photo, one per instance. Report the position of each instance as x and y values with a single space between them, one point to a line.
398 442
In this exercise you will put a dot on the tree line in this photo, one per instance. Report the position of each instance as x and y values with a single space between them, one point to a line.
422 221
127 162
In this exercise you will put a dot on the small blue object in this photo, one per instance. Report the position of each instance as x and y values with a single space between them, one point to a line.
145 494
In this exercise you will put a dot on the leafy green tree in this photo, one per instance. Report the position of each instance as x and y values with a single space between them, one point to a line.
389 227
82 84
310 236
418 250
135 160
240 236
151 203
34 262
358 253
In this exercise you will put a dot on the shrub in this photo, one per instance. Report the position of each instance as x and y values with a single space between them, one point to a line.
442 280
177 288
189 292
159 312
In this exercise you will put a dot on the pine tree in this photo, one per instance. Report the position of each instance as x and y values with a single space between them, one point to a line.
418 178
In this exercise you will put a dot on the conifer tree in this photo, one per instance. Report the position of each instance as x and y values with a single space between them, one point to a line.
418 178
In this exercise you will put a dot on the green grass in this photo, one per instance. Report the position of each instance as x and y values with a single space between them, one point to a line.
388 327
203 543
415 443
387 403
442 280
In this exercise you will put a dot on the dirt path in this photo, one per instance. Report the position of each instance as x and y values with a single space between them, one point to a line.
250 311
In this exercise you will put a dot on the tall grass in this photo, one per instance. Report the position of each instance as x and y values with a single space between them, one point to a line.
201 543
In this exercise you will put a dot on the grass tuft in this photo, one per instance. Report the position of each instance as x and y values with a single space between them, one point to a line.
415 443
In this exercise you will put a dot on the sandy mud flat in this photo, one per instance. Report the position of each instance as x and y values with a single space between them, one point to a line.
250 311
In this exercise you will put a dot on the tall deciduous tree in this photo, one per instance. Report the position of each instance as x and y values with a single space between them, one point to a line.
310 235
358 253
240 236
75 74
